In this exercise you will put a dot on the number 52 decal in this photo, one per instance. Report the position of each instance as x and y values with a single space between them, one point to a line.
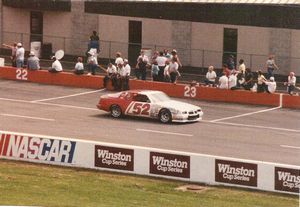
139 109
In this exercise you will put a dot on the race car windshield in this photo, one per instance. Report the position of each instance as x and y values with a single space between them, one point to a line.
159 97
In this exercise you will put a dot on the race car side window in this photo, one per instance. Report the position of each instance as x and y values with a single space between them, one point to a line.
141 98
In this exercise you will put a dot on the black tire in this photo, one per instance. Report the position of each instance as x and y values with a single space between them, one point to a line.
115 111
165 116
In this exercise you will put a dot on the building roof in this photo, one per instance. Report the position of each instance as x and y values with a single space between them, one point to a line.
294 2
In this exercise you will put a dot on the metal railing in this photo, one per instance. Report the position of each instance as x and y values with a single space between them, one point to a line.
198 58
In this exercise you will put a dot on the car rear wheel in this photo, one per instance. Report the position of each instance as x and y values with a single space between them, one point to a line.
115 111
165 116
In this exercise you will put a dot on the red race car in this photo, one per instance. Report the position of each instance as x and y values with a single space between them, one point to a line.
152 104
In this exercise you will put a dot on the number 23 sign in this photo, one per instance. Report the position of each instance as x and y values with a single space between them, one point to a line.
190 91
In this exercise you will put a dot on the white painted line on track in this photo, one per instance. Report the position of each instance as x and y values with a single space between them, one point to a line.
68 96
254 126
49 104
27 117
246 114
162 132
288 146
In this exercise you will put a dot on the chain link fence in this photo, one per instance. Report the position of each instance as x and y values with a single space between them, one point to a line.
197 59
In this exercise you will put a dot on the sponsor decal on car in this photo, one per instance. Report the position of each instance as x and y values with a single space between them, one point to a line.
239 173
114 158
287 179
170 164
36 148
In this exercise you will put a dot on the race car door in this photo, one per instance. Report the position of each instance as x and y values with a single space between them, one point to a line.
140 106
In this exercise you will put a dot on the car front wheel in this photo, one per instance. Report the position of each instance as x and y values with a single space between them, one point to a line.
115 111
165 116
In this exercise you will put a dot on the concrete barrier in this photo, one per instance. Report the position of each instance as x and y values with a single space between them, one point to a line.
191 167
174 90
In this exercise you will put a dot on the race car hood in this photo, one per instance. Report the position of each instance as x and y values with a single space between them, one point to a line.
178 105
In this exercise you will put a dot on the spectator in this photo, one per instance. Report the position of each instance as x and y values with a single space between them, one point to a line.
56 66
161 62
232 80
223 81
155 55
240 79
122 78
270 65
13 53
94 42
230 62
141 67
242 67
226 70
155 71
127 69
111 74
175 55
167 54
33 62
260 82
173 70
79 68
166 72
248 84
210 76
20 55
291 84
92 64
119 59
271 85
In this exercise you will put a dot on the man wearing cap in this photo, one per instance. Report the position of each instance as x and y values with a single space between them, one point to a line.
20 55
56 66
271 85
33 62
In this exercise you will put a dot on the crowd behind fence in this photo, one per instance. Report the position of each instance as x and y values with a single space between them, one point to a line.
198 58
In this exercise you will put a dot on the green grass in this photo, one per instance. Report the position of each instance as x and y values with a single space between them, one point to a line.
43 185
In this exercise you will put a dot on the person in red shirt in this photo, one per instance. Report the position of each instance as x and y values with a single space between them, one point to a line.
226 70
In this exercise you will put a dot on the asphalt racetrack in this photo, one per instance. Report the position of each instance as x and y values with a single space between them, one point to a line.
231 130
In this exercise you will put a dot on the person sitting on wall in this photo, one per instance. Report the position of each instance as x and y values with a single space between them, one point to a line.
232 80
260 82
111 74
210 76
33 62
79 68
248 83
271 85
223 81
56 66
291 84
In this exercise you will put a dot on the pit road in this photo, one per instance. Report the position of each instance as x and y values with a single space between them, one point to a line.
231 130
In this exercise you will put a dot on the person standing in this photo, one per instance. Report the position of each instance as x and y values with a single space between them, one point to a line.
271 66
173 70
242 67
33 62
141 67
20 55
13 53
127 71
155 71
94 42
92 64
161 62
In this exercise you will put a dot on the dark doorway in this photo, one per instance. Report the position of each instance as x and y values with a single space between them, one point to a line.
230 43
36 26
135 41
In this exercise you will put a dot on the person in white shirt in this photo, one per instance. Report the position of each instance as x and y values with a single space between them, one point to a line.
79 68
271 85
173 70
119 59
291 84
121 77
210 76
161 62
166 72
242 67
56 66
111 74
232 80
223 81
127 71
260 82
20 55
